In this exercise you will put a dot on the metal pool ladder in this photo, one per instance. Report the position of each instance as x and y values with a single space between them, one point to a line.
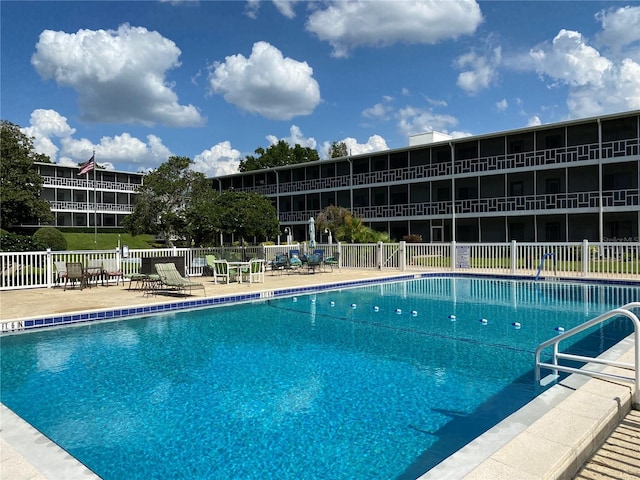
555 367
544 257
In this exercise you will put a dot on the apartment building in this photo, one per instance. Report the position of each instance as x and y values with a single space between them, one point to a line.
567 181
72 196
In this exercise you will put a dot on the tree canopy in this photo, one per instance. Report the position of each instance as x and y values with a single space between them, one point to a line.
347 228
245 214
277 155
20 182
165 198
178 203
338 149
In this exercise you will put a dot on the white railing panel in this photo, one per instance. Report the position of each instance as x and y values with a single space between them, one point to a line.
613 260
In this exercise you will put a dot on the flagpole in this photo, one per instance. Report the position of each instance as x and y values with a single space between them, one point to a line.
95 204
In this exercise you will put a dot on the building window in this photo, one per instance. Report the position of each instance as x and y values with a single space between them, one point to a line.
466 193
516 146
553 185
617 181
516 232
553 232
516 189
553 141
443 194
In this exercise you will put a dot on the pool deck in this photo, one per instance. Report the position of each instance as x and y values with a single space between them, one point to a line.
552 437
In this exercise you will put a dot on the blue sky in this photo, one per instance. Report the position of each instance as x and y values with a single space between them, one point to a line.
213 80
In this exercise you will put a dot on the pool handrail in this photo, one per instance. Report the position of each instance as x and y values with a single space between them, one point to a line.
544 257
624 311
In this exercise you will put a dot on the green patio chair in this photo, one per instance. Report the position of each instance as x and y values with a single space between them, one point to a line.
255 272
222 271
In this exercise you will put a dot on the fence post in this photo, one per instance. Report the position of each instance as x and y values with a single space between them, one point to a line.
402 252
49 268
514 257
379 255
340 260
453 255
586 258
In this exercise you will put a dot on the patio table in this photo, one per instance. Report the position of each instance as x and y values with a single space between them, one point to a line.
239 267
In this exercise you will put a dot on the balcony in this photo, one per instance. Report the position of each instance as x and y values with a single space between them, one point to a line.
81 183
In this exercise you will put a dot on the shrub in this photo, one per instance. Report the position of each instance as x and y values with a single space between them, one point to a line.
50 237
12 242
412 238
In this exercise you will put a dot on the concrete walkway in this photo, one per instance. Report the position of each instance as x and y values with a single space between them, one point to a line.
27 455
619 456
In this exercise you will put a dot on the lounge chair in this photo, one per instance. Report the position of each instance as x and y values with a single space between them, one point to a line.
255 272
333 261
75 272
110 268
171 278
222 271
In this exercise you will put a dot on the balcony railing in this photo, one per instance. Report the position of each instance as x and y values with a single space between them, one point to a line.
58 206
84 184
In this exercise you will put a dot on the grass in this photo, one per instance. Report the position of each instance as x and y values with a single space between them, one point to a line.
106 241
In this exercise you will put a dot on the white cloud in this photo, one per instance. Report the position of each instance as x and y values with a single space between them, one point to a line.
266 83
375 144
219 160
348 25
54 137
285 7
596 84
534 121
502 105
251 8
570 60
413 120
296 137
378 111
45 124
119 75
130 153
620 27
481 70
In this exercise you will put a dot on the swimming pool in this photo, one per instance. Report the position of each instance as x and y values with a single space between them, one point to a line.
317 386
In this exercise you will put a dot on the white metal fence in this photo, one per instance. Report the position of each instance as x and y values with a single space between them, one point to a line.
578 259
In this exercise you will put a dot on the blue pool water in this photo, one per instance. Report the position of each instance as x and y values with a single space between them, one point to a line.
317 386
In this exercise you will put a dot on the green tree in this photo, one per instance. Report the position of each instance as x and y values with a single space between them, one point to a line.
277 155
165 198
245 214
20 182
338 149
347 228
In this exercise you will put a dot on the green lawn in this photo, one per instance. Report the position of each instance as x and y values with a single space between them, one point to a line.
106 241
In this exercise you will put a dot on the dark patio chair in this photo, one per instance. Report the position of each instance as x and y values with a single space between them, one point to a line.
75 272
332 261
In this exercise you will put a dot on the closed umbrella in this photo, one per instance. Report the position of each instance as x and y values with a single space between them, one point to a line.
312 232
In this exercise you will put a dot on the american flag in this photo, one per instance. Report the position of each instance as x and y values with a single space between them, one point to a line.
87 167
